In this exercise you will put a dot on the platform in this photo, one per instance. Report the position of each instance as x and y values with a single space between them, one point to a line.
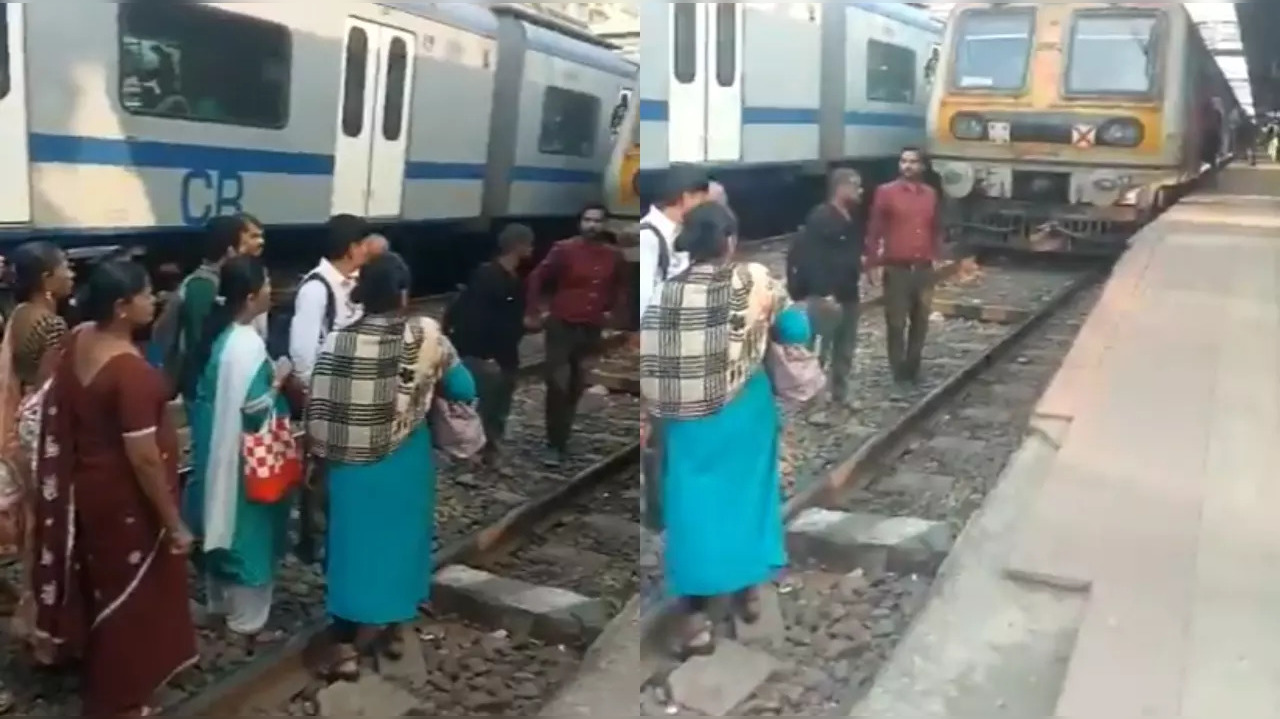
1124 568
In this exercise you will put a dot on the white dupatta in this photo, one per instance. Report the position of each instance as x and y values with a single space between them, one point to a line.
243 355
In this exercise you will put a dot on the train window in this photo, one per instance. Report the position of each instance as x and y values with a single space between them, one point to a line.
1113 54
569 122
4 51
393 108
354 70
174 63
993 50
726 44
891 73
684 25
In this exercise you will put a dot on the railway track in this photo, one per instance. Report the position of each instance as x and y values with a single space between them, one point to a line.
876 494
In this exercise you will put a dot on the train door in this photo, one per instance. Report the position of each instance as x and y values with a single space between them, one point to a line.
373 120
15 177
704 95
724 82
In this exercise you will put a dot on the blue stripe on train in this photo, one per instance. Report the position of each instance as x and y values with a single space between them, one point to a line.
76 150
659 111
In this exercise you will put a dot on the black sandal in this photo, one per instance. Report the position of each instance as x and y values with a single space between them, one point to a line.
699 638
746 604
346 667
393 644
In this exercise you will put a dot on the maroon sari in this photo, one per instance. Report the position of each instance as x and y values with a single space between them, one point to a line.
107 590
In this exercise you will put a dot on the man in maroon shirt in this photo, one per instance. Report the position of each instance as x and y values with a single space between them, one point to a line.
581 275
904 239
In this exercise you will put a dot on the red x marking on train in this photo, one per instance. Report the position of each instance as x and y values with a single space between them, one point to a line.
1083 136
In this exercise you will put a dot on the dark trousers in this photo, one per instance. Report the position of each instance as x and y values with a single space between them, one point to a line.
568 346
835 337
495 387
651 472
313 512
908 302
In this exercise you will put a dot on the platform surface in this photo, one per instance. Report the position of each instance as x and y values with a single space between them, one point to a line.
1161 506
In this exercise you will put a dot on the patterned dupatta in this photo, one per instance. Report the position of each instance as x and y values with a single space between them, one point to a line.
705 336
373 385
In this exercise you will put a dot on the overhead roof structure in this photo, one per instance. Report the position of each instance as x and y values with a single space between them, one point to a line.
1259 22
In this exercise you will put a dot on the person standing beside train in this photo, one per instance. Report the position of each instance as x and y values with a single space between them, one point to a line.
824 265
578 280
181 323
486 325
323 304
685 188
904 240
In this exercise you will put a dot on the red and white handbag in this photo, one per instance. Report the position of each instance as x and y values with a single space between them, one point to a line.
272 461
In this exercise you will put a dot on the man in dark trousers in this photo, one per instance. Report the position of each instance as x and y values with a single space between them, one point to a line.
823 268
581 276
486 325
904 239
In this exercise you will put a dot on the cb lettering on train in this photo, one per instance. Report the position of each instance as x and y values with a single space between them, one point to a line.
208 193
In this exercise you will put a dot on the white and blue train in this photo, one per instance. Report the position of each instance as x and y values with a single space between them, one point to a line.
769 96
144 119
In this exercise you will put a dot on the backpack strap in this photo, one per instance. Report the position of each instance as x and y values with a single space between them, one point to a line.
330 305
664 252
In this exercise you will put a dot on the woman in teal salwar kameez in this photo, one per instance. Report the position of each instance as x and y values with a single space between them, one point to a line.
236 390
702 346
371 389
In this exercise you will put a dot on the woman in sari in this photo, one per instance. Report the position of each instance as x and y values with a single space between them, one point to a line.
366 418
703 380
111 583
236 390
42 280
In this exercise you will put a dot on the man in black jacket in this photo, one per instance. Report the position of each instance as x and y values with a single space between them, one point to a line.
823 268
486 324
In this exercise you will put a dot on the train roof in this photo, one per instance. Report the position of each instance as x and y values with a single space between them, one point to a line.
906 13
545 34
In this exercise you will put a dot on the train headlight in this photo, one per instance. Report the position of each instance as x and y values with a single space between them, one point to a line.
958 178
966 126
1121 133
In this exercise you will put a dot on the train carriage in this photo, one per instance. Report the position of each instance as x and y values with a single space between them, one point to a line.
1085 118
769 96
139 121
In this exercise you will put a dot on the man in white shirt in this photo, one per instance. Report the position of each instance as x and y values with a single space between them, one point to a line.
321 305
684 189
323 300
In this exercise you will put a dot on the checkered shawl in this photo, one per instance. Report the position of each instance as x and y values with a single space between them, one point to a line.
705 336
373 385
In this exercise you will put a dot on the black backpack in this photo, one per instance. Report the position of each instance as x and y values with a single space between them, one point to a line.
279 322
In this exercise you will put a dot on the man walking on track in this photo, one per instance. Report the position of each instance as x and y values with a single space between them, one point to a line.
904 240
823 267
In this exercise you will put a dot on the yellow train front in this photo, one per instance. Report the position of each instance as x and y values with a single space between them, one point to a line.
1077 120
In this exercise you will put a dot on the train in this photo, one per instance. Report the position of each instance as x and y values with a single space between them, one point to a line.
770 96
134 123
1072 123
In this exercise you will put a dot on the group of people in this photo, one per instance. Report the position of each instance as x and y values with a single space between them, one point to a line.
708 321
94 504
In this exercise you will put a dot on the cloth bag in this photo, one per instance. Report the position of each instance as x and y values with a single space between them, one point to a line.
796 373
272 461
456 428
